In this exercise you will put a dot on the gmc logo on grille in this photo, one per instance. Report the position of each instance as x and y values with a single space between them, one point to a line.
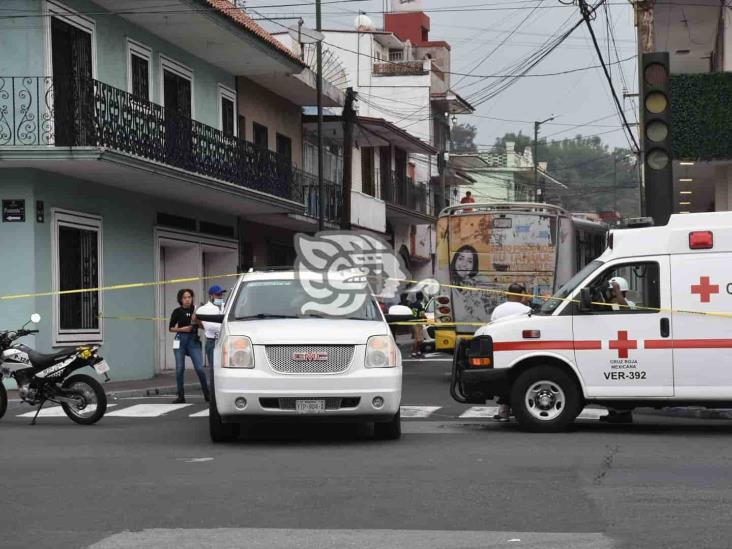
310 357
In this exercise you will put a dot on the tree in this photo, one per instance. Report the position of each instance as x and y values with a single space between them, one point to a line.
598 178
463 138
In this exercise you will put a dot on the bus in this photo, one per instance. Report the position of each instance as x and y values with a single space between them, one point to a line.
489 246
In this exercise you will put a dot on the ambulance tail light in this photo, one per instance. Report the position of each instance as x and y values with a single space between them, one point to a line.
701 240
443 300
610 239
480 354
444 310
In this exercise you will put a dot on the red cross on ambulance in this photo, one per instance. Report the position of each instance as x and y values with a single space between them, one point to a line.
705 289
623 344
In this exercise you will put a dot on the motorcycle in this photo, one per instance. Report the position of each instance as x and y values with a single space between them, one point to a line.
45 378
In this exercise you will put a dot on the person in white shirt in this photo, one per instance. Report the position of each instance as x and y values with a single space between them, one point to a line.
215 306
515 304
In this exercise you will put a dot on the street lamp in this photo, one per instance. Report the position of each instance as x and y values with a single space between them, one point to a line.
536 152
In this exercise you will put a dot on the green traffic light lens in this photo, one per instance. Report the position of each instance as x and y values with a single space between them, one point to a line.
656 102
657 159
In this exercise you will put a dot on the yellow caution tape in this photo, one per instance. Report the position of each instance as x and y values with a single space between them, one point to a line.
136 285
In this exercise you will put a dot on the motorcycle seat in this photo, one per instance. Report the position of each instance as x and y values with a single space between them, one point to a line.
42 360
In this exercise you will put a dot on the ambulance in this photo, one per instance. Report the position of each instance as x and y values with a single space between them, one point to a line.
648 323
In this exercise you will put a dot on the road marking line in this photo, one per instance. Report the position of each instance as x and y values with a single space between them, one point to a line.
480 411
56 411
418 411
426 360
592 413
147 410
202 413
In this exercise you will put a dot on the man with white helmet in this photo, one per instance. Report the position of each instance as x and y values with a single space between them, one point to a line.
619 287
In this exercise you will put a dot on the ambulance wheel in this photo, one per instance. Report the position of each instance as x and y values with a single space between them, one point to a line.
545 399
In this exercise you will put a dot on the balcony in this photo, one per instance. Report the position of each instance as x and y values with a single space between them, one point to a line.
406 201
311 194
400 68
69 112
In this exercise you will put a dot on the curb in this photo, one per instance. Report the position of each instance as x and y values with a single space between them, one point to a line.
152 391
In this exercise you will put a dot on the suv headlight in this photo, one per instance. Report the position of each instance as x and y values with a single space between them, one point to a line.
238 352
381 352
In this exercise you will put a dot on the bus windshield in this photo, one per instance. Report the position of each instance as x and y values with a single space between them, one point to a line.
564 292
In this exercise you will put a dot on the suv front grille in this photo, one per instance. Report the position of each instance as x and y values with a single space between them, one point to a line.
331 403
314 359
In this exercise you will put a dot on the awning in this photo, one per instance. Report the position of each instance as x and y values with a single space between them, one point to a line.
370 132
451 102
213 30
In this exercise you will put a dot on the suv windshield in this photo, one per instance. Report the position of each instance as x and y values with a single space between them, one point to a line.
563 293
262 299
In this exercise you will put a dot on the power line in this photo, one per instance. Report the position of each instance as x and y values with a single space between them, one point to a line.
586 13
501 43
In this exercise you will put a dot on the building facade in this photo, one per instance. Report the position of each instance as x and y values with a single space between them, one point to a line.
140 144
697 38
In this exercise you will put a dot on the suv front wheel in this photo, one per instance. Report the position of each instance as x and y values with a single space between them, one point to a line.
389 430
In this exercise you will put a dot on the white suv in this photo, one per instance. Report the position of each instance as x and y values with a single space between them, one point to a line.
272 362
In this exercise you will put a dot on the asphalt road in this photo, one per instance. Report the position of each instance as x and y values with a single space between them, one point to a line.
135 481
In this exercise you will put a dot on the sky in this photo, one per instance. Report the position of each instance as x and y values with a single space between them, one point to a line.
489 36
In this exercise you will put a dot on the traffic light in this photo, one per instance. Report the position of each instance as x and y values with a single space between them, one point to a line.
658 161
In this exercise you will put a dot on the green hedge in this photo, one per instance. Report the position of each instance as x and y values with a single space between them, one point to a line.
701 116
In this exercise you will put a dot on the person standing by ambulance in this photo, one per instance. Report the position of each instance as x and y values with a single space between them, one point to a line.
215 306
516 303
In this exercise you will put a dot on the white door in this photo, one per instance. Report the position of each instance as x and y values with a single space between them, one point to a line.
219 263
703 343
625 351
178 259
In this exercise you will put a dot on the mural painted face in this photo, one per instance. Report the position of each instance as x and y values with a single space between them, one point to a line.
464 264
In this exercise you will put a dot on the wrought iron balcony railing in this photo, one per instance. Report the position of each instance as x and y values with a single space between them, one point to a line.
400 190
311 193
74 112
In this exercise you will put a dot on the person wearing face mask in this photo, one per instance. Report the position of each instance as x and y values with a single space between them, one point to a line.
215 306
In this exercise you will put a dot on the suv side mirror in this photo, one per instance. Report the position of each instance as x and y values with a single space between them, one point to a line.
585 296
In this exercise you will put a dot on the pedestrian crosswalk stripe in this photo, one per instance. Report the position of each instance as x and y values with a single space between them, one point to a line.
147 410
418 411
480 411
592 413
58 411
407 412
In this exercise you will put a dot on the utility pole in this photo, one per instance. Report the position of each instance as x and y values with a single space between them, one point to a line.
319 79
349 117
537 124
615 183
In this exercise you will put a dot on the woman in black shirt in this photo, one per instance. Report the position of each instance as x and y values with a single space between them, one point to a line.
186 343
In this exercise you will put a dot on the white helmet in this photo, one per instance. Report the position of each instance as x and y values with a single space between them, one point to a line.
622 283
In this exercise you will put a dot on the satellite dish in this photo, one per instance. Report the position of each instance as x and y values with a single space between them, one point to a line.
305 35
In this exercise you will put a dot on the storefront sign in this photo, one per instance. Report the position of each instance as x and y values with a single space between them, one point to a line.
13 211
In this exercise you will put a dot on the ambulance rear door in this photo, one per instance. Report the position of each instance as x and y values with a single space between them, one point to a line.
702 346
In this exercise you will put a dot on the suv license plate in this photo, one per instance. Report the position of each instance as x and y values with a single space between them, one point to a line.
101 367
310 406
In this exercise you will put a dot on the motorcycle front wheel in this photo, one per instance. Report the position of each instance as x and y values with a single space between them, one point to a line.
3 399
92 400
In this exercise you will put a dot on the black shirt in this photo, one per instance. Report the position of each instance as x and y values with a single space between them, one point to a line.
181 317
